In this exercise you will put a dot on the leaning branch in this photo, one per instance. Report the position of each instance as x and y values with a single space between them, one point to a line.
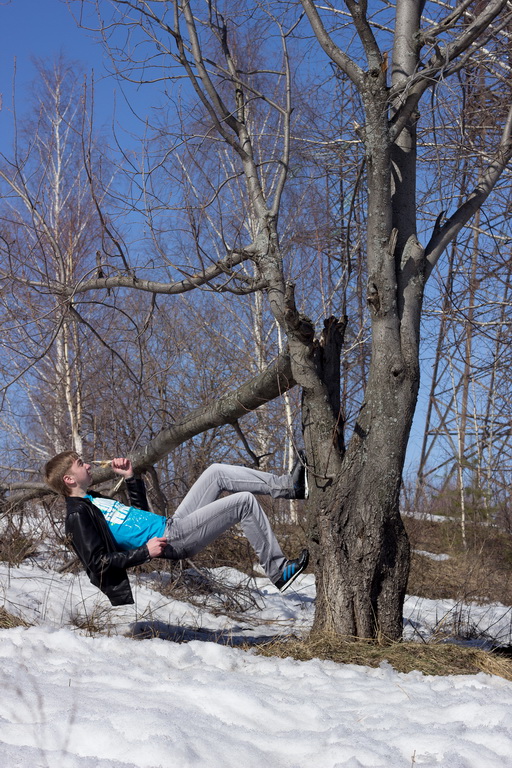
266 386
271 383
221 267
442 63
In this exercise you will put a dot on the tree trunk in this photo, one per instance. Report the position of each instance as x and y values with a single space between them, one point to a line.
360 549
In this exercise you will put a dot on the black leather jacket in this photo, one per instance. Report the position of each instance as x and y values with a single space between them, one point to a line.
90 537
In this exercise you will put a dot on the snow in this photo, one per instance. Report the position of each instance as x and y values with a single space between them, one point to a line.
428 517
431 555
71 700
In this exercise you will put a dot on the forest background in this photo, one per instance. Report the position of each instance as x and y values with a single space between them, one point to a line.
106 371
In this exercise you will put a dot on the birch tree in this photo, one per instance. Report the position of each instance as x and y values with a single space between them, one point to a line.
48 232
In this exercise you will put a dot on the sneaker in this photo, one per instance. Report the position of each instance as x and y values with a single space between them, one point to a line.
299 476
291 570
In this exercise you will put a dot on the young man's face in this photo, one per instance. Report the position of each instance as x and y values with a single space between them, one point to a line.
78 477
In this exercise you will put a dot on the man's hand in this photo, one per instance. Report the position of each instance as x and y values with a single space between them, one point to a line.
122 467
156 546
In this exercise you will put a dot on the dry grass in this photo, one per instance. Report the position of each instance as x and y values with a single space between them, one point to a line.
202 588
16 546
9 620
97 621
480 573
428 658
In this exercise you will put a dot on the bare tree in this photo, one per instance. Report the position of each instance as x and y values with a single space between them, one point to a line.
361 552
466 440
239 93
49 229
370 546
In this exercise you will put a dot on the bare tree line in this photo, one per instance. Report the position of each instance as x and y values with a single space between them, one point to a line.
291 217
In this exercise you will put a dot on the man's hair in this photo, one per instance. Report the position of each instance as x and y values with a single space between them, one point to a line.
56 468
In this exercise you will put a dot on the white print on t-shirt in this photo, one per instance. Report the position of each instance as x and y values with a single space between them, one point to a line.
115 512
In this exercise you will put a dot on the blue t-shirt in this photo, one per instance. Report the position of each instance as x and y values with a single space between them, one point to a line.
130 527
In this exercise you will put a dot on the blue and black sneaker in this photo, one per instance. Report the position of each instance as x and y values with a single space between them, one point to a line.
291 570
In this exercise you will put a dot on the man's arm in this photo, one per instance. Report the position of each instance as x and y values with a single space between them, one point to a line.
123 467
88 540
134 484
90 543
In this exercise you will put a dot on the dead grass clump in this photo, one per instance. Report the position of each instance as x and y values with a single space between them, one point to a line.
98 621
16 546
480 572
9 620
428 658
203 588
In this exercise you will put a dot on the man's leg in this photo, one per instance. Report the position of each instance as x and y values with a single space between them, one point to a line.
190 533
227 477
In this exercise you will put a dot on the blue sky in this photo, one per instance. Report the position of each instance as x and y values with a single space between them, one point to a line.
45 29
41 29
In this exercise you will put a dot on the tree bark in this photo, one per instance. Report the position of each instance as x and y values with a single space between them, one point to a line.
361 550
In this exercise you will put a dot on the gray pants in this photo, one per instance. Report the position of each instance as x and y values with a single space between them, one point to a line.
202 517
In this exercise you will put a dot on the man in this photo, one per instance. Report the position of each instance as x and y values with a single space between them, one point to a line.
110 537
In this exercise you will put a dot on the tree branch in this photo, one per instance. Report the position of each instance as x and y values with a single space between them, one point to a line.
223 266
416 86
339 57
445 234
358 12
266 386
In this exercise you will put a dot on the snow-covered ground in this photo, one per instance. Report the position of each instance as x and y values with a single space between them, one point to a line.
69 700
